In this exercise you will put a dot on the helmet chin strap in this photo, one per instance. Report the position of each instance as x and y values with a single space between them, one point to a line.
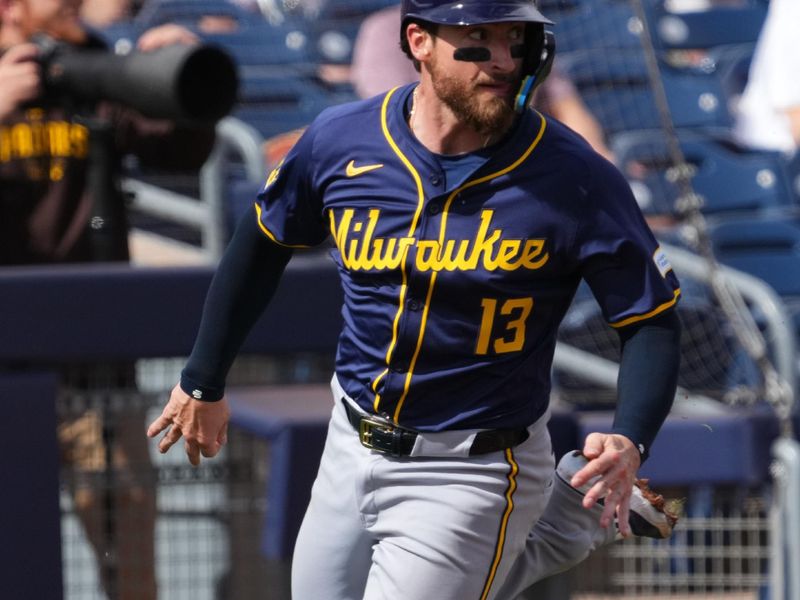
524 93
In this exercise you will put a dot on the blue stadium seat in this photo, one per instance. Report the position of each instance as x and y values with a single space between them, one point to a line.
333 39
616 88
120 37
717 26
595 25
353 9
768 248
731 64
264 45
729 177
189 12
275 120
334 28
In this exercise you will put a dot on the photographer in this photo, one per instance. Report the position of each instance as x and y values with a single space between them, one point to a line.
45 202
46 206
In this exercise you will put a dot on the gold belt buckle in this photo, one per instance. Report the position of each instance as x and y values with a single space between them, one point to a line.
386 439
365 427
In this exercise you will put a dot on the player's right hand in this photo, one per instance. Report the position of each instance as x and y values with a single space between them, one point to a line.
202 425
20 77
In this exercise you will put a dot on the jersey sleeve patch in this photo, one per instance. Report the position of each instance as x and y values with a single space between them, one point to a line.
662 262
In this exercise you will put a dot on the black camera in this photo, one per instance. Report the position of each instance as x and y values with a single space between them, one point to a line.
180 82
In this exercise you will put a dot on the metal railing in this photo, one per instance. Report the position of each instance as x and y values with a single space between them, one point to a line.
770 306
235 138
785 521
784 577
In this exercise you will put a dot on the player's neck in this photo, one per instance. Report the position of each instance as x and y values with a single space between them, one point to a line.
440 131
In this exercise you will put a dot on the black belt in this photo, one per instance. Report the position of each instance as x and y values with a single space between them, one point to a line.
379 434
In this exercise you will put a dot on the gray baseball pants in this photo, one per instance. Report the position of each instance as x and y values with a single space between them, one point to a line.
441 524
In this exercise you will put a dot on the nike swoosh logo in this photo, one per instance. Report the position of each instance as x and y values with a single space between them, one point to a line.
353 171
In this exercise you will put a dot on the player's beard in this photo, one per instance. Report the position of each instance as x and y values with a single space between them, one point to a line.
490 116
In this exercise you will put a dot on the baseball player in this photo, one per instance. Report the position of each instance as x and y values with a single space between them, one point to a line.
463 223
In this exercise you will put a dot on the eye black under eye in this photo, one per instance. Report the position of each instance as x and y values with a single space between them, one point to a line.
517 51
472 54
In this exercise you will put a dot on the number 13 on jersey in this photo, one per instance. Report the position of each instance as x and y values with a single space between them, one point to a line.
503 328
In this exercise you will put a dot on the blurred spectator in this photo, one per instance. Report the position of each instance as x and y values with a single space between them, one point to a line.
102 13
45 210
769 111
378 65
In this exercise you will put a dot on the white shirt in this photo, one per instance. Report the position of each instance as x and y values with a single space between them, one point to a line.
774 82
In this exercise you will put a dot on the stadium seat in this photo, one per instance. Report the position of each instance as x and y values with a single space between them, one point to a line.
768 248
352 8
333 29
731 64
617 89
265 45
119 37
275 120
594 25
729 177
717 26
333 40
189 12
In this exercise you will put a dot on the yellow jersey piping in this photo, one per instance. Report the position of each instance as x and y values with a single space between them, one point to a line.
659 309
420 202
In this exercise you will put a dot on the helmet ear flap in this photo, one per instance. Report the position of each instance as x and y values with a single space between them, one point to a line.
538 62
540 47
548 53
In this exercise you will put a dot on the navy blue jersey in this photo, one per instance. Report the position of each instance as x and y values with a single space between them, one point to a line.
453 293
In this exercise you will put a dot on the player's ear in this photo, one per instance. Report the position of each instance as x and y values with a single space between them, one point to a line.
420 41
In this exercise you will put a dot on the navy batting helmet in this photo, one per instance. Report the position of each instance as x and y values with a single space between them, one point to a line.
540 44
472 12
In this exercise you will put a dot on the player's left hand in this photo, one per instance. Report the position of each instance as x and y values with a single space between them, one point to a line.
166 35
615 459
